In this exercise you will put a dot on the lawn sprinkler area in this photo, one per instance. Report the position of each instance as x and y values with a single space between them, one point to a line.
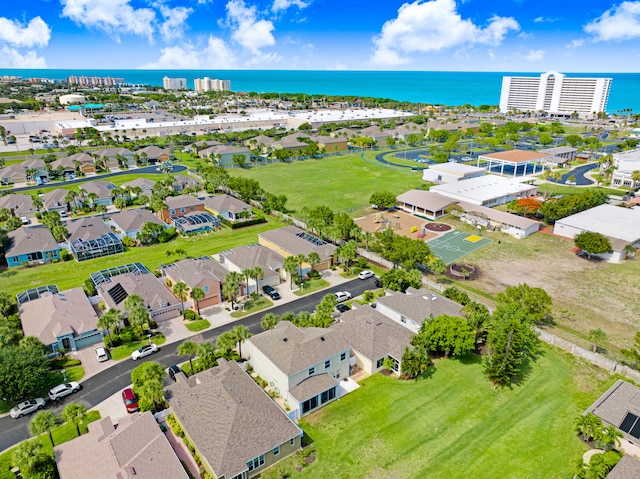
454 245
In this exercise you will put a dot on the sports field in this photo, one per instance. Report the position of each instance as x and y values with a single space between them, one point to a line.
453 245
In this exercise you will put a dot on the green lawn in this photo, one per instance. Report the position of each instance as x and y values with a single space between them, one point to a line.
196 326
252 307
340 182
71 273
124 351
455 424
311 286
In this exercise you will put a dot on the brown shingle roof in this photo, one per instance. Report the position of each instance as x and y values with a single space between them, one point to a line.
221 203
419 304
21 205
312 386
516 156
100 187
289 240
86 229
192 271
135 219
55 198
250 256
30 239
147 286
294 349
182 201
614 405
230 419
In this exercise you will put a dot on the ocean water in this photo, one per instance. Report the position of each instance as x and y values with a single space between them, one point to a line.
447 88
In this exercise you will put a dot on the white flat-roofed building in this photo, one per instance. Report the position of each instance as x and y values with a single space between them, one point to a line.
488 190
174 83
208 84
626 163
555 93
451 172
620 225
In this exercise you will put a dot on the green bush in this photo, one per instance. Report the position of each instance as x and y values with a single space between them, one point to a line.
126 335
128 242
190 315
153 324
65 255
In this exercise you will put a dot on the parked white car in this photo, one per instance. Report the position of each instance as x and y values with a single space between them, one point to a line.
342 296
102 354
63 390
366 274
146 350
27 407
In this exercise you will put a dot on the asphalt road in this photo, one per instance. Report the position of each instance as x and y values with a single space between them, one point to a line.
108 382
147 169
578 173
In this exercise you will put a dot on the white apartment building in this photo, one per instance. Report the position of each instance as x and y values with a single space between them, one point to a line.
174 83
555 93
207 84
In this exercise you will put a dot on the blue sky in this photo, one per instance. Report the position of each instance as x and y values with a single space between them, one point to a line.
468 35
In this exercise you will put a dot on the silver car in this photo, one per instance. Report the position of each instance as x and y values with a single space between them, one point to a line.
27 407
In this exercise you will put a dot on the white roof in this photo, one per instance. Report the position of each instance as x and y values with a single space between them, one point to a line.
482 188
456 168
612 221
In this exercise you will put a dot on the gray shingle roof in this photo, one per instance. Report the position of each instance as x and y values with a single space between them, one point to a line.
221 203
182 201
30 239
192 271
135 219
250 256
419 304
54 315
86 229
100 187
312 386
425 199
613 406
22 205
152 151
627 468
154 293
286 239
294 349
55 198
112 152
230 419
372 334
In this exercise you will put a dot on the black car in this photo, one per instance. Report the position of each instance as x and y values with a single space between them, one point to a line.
271 292
342 307
378 283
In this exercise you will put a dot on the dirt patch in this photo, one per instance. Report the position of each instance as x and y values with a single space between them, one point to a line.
439 227
400 222
462 271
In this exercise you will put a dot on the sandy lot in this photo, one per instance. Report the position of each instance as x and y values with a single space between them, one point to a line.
401 222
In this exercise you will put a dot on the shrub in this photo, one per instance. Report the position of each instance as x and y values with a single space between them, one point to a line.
313 274
153 324
126 336
190 315
128 242
65 255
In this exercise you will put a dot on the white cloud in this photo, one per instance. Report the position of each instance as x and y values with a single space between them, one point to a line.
111 16
621 22
545 20
533 55
279 5
576 43
248 31
35 33
214 55
174 22
12 58
433 26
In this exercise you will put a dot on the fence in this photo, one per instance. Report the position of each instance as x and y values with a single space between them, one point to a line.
594 358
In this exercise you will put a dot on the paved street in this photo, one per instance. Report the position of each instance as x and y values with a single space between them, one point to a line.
110 381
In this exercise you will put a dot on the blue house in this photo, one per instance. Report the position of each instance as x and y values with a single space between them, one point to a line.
62 321
31 245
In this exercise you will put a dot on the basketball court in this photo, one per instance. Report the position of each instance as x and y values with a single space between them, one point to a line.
452 246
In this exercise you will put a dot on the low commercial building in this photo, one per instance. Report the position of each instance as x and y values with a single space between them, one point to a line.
425 203
237 430
451 172
513 162
495 220
62 321
620 225
488 190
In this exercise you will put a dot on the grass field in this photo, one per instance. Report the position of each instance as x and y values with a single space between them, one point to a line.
71 273
340 182
455 424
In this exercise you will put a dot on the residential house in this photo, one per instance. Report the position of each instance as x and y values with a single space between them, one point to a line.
13 174
91 238
153 154
413 307
130 222
627 468
160 302
134 448
619 406
330 144
63 166
103 189
110 157
223 154
18 205
228 207
373 337
204 273
291 142
86 163
344 133
402 132
61 321
378 136
259 143
180 206
237 430
304 365
201 145
292 241
34 244
55 200
242 258
36 170
145 184
180 182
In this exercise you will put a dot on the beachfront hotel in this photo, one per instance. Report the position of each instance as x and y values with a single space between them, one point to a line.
207 84
555 94
174 83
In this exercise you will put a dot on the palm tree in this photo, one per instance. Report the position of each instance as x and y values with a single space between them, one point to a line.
438 267
246 274
75 414
257 273
226 343
291 267
313 259
609 437
190 349
206 355
635 181
166 167
180 290
232 283
153 392
28 455
596 337
44 421
269 321
240 333
108 320
197 295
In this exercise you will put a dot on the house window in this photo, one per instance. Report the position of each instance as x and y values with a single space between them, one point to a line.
35 256
343 356
239 476
256 463
312 371
190 208
328 395
182 210
327 364
276 450
206 288
173 212
292 442
309 404
379 363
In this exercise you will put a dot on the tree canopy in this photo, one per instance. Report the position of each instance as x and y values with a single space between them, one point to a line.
592 242
450 335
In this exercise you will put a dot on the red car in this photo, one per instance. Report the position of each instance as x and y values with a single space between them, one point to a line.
130 400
